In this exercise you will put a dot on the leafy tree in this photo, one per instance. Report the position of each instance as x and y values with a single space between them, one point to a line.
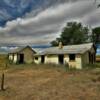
73 33
95 3
98 6
96 35
54 43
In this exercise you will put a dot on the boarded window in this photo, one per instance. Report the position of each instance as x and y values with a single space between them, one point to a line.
72 57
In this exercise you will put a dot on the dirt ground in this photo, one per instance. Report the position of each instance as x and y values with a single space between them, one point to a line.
50 84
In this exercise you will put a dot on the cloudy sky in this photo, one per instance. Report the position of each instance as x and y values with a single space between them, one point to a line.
38 22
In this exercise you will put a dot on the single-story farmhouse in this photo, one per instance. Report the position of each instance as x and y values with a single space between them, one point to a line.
22 55
73 55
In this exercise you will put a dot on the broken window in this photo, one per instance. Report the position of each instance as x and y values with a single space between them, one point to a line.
72 57
36 58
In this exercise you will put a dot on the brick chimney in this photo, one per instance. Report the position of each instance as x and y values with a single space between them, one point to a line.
60 45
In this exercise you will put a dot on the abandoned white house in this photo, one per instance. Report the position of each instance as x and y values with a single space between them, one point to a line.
22 55
74 55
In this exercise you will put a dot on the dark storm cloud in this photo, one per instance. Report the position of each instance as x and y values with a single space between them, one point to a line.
48 23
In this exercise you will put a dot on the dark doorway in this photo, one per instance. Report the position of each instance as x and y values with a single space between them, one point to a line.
42 59
91 58
21 58
61 59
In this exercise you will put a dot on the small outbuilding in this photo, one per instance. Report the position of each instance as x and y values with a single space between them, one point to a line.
22 55
76 56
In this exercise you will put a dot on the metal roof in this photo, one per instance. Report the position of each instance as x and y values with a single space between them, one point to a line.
21 49
70 49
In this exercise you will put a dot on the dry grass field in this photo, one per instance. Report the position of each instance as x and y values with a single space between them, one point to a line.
3 60
98 58
49 82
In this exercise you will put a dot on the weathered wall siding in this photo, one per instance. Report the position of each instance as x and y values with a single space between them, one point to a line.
38 61
10 57
28 55
78 61
54 59
92 50
51 59
72 64
66 59
15 59
85 59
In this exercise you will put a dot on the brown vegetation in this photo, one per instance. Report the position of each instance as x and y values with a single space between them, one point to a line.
98 58
50 82
3 60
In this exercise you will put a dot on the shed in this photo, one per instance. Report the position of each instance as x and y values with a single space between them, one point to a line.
22 55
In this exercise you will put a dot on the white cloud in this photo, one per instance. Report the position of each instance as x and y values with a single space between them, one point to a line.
48 24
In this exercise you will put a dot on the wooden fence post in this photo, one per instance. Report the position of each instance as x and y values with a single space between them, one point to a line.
2 82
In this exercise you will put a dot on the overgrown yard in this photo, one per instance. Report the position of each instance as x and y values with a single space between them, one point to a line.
48 82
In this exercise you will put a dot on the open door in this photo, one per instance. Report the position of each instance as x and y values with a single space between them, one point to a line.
42 59
21 58
61 59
